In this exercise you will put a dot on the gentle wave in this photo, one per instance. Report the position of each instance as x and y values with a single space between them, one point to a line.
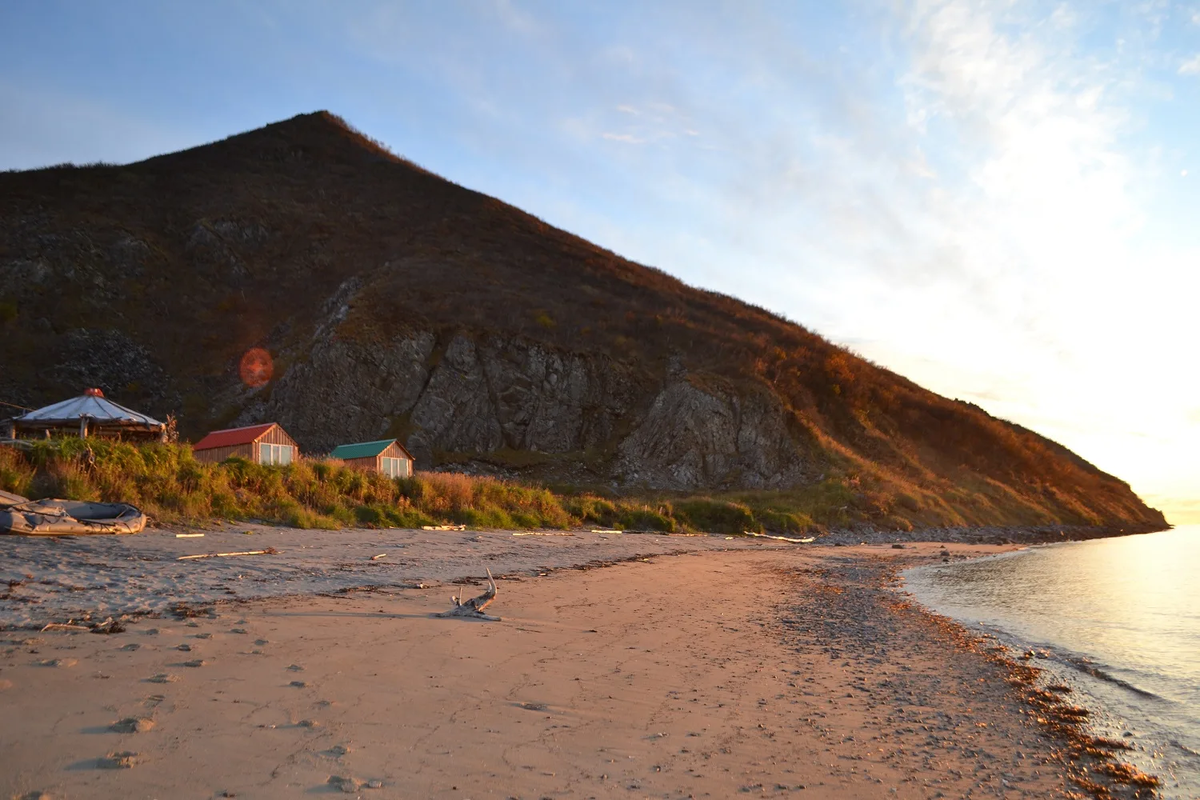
1084 665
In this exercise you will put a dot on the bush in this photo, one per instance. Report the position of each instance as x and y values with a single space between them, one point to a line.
716 516
645 518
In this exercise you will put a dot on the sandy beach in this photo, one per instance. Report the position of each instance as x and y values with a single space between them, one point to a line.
624 666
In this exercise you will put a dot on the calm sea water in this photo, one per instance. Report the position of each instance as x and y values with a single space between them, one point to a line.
1117 619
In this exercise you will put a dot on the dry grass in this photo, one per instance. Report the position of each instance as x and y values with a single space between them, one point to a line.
169 484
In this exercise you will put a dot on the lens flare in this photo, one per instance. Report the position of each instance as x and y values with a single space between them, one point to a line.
256 367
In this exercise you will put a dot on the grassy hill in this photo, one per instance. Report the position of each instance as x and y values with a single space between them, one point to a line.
152 279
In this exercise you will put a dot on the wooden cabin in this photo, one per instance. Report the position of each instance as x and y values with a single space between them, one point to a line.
387 457
262 444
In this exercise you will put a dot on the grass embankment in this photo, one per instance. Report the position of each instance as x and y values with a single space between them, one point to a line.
169 484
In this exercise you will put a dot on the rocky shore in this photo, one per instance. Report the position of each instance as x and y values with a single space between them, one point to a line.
986 534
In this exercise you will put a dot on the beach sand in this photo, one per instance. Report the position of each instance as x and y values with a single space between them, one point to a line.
776 671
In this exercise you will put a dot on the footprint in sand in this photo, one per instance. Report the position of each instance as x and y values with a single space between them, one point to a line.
122 760
237 630
35 795
296 668
261 642
132 725
162 677
309 723
298 684
203 635
196 662
57 662
153 700
187 648
129 648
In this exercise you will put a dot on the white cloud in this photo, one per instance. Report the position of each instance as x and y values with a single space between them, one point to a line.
1191 66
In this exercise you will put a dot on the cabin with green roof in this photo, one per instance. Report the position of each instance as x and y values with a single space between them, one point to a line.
387 456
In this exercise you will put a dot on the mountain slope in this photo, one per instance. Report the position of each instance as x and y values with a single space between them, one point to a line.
397 303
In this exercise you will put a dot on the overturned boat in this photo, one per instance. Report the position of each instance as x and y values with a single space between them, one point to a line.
66 517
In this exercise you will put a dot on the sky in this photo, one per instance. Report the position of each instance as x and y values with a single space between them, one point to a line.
998 200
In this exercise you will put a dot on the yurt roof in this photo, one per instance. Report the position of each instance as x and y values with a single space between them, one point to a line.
93 405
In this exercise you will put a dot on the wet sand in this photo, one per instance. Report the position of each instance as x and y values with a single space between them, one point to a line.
784 672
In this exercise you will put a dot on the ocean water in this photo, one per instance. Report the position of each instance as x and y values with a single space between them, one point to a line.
1116 619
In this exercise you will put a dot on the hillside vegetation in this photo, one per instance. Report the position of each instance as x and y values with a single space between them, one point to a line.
396 303
172 487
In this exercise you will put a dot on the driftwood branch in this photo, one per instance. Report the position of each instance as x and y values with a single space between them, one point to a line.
807 540
473 608
270 551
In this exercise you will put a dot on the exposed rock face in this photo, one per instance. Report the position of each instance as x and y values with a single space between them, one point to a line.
691 438
553 402
347 392
111 361
518 395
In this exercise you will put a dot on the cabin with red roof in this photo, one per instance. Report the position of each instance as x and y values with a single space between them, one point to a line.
262 444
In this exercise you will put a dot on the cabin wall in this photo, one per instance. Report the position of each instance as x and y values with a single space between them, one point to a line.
216 455
394 450
278 435
368 464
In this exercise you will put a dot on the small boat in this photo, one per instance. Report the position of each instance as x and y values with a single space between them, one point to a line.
66 517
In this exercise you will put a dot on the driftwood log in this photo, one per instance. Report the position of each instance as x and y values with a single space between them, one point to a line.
473 608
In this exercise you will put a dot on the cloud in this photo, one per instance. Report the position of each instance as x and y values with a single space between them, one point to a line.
622 137
1191 66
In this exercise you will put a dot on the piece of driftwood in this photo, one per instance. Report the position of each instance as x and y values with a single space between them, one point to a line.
473 608
542 533
376 558
270 551
809 540
188 535
607 530
443 527
64 626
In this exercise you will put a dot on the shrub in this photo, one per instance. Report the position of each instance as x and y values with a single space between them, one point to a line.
716 516
645 518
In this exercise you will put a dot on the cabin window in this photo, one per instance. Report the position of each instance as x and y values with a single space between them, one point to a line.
394 467
275 453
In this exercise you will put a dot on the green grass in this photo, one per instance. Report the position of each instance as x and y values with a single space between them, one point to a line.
169 484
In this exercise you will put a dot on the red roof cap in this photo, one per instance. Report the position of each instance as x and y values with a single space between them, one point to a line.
93 393
232 437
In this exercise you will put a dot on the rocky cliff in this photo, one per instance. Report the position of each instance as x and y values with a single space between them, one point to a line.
395 303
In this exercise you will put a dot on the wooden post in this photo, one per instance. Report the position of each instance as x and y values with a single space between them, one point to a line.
83 427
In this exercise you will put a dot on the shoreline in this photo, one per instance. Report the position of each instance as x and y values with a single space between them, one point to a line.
53 579
718 671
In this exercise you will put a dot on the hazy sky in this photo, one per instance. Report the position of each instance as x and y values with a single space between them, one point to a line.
997 199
